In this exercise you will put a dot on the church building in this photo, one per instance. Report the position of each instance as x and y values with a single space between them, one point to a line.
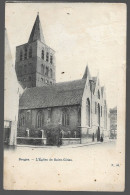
53 113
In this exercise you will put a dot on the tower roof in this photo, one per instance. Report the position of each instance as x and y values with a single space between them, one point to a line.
86 73
36 33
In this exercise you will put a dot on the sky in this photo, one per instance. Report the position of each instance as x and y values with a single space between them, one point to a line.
81 34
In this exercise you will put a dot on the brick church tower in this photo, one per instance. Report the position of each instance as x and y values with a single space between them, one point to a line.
35 61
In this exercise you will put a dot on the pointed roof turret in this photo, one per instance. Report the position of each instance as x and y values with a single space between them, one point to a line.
86 73
36 33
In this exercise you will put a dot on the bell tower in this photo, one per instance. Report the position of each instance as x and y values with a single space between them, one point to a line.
35 61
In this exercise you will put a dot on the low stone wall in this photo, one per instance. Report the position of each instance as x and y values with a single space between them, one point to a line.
86 140
69 141
31 141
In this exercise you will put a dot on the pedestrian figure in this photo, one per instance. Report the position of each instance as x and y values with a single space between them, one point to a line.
101 139
93 137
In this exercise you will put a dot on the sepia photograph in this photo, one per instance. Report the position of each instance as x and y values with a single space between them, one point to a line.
64 96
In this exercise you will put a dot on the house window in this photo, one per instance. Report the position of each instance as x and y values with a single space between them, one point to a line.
51 59
42 54
25 54
47 56
21 55
40 119
88 111
65 119
30 78
30 52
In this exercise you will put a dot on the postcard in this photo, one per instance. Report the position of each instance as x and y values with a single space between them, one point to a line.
64 96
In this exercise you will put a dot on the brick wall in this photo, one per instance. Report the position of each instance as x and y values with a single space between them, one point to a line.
29 71
56 118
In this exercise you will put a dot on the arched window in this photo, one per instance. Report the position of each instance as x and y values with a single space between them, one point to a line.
46 71
101 111
42 68
65 119
28 115
25 54
51 73
98 114
42 54
22 120
98 94
95 107
30 52
47 56
21 55
88 111
105 117
40 119
51 59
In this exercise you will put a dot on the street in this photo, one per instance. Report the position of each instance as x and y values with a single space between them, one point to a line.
97 165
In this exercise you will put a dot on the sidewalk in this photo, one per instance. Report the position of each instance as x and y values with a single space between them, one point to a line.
85 144
66 146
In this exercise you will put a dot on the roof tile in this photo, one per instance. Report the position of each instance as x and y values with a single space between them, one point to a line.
59 94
